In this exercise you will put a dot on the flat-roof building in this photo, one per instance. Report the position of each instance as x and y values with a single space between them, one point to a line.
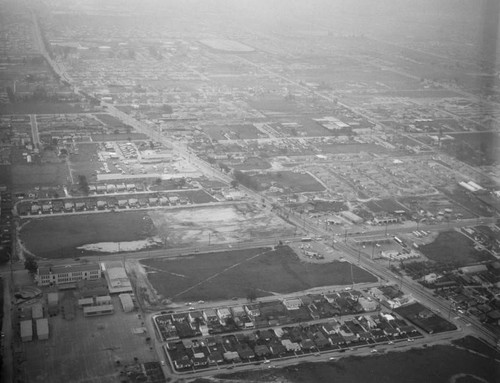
37 311
117 278
42 328
98 310
57 275
26 330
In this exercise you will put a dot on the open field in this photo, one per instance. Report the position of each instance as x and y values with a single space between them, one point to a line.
436 364
295 182
421 317
26 176
455 248
101 342
59 237
217 276
224 132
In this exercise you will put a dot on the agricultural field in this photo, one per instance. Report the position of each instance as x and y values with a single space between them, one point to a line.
454 248
290 181
222 275
435 364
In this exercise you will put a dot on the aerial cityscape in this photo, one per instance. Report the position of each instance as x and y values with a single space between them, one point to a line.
246 190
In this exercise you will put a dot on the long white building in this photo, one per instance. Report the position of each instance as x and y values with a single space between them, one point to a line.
57 275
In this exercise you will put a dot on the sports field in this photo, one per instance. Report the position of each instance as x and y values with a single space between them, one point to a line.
223 275
59 236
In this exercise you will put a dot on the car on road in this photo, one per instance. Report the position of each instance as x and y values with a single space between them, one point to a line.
411 340
390 342
373 351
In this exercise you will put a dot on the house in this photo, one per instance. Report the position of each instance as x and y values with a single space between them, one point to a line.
223 314
290 346
68 206
122 203
262 350
210 316
253 310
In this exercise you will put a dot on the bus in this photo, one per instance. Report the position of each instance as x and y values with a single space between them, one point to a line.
399 241
306 239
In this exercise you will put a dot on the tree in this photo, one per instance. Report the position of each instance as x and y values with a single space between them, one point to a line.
251 295
84 185
234 184
31 265
167 109
11 94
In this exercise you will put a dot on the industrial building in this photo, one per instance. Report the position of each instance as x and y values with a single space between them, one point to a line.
58 275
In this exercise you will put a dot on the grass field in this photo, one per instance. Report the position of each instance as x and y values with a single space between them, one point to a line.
438 364
59 237
223 275
432 324
50 174
454 248
295 182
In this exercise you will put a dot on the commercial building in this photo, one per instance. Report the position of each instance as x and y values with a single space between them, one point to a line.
57 275
42 328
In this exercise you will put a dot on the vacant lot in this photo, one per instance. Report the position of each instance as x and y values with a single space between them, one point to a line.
438 364
217 224
217 276
294 182
59 237
420 316
454 248
27 176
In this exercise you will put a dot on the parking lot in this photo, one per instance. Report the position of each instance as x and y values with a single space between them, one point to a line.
87 349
